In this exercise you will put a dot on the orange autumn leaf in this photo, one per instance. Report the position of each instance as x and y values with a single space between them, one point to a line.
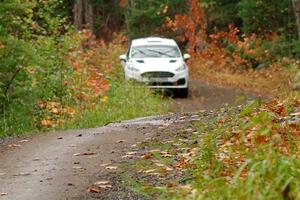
190 24
46 123
1 45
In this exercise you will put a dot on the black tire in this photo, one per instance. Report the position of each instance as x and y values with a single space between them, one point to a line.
183 93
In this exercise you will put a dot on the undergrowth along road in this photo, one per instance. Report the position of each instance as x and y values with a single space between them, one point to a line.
243 152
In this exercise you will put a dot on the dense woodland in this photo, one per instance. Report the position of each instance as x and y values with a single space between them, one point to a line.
59 69
51 73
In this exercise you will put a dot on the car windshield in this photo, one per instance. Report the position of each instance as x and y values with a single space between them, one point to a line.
155 52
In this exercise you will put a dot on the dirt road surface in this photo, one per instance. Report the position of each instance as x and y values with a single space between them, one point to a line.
203 96
62 165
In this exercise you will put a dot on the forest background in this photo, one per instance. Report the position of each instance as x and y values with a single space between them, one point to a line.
59 63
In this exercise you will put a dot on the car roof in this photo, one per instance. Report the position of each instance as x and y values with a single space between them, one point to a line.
153 41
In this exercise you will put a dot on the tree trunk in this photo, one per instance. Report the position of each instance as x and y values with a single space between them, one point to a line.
296 7
78 10
130 5
88 14
83 14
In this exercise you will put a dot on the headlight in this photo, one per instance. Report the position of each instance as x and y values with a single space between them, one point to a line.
181 68
131 68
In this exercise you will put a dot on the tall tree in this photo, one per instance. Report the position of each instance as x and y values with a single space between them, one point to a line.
296 6
83 14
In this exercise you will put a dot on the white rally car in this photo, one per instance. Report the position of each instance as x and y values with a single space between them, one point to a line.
158 62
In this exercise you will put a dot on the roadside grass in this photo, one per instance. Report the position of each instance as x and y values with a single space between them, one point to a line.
249 152
125 100
17 122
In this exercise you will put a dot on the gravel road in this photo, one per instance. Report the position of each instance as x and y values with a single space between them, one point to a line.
62 165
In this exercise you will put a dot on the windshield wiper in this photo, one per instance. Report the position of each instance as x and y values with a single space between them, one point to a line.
140 51
161 53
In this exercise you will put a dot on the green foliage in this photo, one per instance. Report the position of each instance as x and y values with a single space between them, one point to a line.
13 16
144 18
37 17
29 73
221 13
30 64
267 16
52 17
15 57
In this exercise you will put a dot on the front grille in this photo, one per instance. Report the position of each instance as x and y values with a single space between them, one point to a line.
177 83
158 75
160 84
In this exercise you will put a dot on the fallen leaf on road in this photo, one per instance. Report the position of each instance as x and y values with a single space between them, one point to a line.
23 174
189 130
166 155
146 156
149 171
60 138
94 189
131 153
85 154
154 151
111 167
295 114
168 169
121 141
127 156
14 145
159 164
105 164
103 184
79 168
23 141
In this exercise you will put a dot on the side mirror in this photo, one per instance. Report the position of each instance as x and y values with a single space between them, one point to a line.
123 58
186 57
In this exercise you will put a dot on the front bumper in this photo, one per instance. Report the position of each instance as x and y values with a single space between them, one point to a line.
179 80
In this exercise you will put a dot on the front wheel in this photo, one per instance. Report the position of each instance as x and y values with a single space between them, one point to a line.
183 93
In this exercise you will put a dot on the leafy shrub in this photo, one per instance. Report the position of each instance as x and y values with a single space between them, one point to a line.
28 19
14 85
29 73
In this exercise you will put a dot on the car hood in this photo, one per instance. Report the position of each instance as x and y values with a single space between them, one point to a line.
157 64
